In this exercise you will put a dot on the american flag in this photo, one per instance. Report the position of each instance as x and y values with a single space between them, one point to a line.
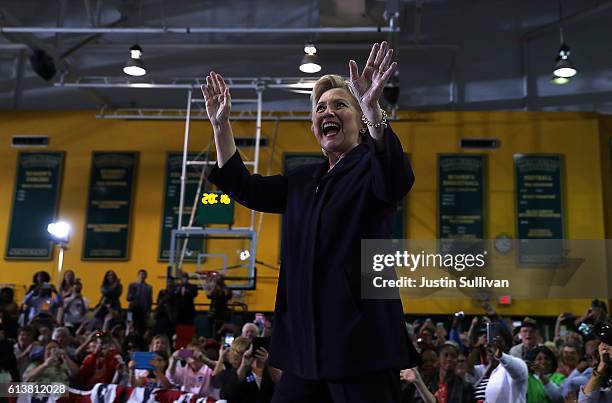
104 393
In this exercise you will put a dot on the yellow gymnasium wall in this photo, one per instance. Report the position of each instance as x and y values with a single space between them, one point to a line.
577 136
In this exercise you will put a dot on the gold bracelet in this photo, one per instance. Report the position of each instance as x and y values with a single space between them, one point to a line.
382 123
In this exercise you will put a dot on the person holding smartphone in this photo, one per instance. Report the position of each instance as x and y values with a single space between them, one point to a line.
504 378
56 367
151 378
195 377
321 323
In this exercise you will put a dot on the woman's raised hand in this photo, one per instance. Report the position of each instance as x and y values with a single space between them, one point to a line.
217 98
368 86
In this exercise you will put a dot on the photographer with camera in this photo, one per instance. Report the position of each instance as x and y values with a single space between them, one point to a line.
75 307
195 376
100 365
595 314
252 380
40 300
56 367
598 389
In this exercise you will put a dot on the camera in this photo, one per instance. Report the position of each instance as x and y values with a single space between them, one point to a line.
228 340
459 314
603 332
493 332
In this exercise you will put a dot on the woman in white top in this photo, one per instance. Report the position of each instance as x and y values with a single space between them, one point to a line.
504 379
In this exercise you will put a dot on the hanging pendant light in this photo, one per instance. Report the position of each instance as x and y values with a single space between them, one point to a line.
564 68
134 65
310 62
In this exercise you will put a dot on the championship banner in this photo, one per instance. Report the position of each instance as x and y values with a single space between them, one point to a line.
539 208
461 199
35 202
111 190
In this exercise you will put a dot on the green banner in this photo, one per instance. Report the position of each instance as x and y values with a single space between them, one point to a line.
461 198
172 194
35 203
539 208
109 206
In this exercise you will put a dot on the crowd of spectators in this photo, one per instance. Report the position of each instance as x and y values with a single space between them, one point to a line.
59 336
497 359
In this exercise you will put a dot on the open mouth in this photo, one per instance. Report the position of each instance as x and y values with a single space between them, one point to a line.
330 128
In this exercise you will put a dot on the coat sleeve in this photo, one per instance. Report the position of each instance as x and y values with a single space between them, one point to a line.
593 397
231 387
553 392
515 367
131 292
392 175
267 194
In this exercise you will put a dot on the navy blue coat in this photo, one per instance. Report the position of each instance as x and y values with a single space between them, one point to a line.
323 330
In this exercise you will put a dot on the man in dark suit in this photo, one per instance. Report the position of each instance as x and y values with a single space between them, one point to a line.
184 299
140 298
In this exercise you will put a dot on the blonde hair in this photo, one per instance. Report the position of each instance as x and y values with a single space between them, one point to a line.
239 346
329 82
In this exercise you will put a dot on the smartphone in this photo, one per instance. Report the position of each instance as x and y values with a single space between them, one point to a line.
130 316
493 332
440 325
228 340
185 353
261 342
142 360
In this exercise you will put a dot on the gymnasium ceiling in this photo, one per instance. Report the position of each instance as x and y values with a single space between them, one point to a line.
453 54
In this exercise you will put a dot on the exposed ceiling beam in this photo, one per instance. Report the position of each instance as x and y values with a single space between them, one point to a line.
578 16
35 43
119 47
192 30
87 40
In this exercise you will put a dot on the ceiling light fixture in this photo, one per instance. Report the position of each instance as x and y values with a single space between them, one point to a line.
564 68
134 65
310 62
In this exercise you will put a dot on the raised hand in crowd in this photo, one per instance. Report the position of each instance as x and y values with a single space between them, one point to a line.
245 364
413 376
220 366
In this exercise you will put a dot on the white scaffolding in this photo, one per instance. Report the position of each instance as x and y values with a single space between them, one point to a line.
184 232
